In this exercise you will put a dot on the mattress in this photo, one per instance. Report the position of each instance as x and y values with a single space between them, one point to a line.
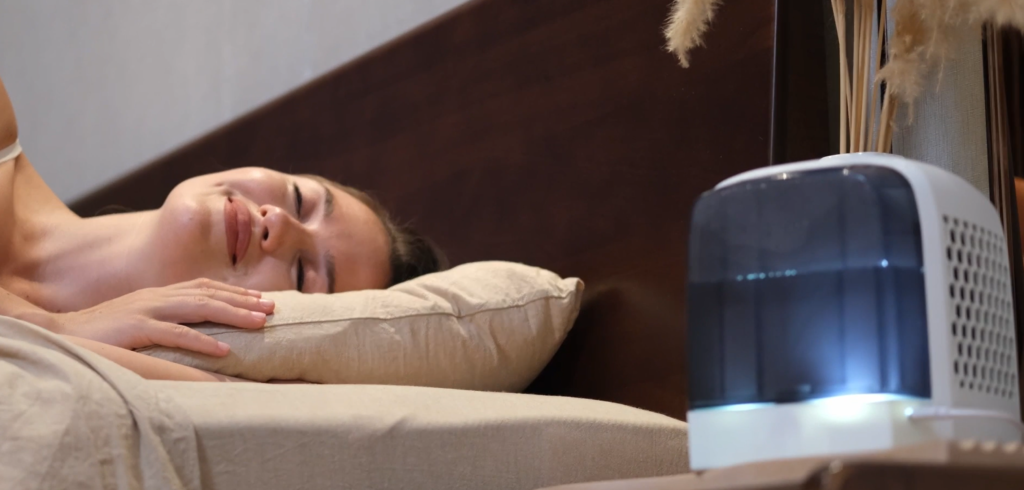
358 436
72 418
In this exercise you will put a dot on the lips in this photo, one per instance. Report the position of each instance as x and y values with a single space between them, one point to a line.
237 228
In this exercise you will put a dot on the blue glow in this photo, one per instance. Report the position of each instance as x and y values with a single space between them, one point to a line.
743 406
843 402
885 263
861 398
764 275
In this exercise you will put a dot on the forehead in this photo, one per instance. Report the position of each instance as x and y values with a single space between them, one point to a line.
353 234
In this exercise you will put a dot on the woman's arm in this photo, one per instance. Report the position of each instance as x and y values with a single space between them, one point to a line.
146 366
154 316
15 307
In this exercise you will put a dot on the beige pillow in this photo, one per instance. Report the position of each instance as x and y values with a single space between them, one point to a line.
480 326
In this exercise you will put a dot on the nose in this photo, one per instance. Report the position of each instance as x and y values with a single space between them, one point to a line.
280 233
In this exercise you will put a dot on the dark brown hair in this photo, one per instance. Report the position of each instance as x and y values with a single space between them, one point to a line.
412 254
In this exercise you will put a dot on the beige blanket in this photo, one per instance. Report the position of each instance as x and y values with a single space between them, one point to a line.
72 419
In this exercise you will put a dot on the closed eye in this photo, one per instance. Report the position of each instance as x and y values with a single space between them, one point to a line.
298 201
300 277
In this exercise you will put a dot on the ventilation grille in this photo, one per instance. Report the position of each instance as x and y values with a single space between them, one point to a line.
981 309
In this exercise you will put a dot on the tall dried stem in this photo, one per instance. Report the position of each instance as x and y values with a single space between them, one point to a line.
867 110
879 43
839 13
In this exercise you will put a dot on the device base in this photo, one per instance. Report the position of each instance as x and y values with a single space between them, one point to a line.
840 425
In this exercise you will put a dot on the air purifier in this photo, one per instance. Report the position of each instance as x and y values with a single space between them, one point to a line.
855 303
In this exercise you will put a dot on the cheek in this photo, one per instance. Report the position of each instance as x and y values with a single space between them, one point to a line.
258 184
188 220
195 186
270 275
185 240
255 183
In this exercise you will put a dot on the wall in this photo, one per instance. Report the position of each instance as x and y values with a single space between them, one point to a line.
947 125
103 87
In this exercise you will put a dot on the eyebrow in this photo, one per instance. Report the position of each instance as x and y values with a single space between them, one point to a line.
328 208
328 200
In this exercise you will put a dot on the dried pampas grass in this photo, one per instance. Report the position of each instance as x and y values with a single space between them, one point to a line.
922 40
922 37
924 33
686 26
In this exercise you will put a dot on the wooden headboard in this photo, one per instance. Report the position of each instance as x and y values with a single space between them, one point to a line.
558 133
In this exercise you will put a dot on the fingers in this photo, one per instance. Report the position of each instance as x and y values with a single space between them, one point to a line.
263 305
204 307
204 283
182 337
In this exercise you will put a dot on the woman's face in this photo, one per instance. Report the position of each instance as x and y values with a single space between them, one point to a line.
266 230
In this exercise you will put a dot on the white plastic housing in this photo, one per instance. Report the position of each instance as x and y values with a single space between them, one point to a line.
971 341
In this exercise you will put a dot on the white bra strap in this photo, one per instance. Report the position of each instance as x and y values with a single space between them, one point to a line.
11 152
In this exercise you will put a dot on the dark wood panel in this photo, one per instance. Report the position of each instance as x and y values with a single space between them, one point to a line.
804 40
891 475
553 132
1004 72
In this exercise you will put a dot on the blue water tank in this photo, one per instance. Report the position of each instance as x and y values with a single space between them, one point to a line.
806 285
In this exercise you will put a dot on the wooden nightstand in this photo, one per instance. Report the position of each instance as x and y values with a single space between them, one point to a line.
932 466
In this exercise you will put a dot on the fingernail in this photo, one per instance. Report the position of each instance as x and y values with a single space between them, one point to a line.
223 347
267 303
253 292
259 316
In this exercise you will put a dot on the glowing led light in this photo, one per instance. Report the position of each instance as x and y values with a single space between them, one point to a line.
885 263
860 398
766 275
744 406
851 407
840 407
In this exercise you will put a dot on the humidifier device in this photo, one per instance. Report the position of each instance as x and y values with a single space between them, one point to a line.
856 303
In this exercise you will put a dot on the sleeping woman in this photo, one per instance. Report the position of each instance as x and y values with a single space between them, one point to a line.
119 282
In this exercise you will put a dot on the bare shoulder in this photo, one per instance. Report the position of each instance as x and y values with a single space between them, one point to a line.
8 135
19 181
8 123
25 200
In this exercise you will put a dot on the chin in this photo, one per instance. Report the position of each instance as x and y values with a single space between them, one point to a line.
185 243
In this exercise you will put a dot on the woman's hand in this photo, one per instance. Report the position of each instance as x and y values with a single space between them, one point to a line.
155 316
149 367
